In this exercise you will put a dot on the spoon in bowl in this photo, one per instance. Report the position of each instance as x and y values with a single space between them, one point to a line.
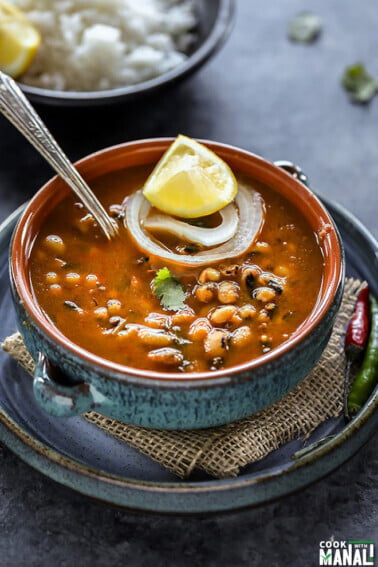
15 106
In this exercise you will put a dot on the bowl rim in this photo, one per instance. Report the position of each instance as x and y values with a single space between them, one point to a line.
20 280
219 33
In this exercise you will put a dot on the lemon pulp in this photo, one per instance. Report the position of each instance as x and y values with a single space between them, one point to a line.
19 40
190 181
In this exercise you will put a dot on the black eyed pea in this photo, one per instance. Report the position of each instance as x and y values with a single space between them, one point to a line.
101 313
158 320
205 293
199 329
115 320
236 320
263 278
51 278
117 324
228 292
241 336
223 314
116 211
231 270
114 306
85 223
72 278
183 316
249 276
53 243
247 311
55 289
128 332
217 343
264 294
216 363
166 356
209 275
270 280
154 337
263 316
276 285
91 281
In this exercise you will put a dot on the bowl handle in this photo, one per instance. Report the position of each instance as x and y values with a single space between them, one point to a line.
294 170
58 399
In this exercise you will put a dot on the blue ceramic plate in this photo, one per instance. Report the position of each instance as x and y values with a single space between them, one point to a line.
85 458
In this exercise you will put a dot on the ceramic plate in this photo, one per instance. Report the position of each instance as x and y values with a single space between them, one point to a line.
88 460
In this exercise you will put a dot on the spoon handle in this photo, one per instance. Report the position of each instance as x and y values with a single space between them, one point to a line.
15 106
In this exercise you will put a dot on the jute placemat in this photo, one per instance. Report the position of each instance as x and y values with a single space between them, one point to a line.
223 451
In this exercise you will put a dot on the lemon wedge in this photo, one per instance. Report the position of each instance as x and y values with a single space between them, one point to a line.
190 181
19 40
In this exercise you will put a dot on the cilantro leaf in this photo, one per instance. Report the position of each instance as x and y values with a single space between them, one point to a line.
169 290
305 27
360 85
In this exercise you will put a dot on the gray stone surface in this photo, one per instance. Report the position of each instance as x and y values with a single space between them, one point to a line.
283 101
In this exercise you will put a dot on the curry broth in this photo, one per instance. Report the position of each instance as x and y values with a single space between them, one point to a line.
99 294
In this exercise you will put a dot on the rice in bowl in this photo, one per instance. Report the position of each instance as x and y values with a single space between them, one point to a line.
90 45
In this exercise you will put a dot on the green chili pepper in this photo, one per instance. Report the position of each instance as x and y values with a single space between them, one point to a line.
367 376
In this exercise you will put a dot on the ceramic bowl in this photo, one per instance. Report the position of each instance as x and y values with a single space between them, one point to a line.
215 21
70 380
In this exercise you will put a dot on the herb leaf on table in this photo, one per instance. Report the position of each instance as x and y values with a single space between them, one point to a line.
360 85
305 27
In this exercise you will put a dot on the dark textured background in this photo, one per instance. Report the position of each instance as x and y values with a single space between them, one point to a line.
283 101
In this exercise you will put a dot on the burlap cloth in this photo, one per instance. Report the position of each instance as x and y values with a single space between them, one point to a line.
222 451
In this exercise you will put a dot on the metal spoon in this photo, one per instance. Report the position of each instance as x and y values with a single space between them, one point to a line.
15 106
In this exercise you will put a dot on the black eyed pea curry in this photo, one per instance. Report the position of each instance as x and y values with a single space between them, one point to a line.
106 298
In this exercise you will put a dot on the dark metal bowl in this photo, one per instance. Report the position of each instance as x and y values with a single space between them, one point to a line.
215 20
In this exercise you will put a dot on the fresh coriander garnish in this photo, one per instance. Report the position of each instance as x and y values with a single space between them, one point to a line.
169 290
305 27
360 85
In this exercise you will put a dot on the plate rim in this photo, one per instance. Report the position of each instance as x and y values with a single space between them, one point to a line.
105 487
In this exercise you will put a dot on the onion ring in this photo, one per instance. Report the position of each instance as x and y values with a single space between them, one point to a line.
251 218
205 236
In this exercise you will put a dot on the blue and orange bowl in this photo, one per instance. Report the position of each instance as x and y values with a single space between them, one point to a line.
69 380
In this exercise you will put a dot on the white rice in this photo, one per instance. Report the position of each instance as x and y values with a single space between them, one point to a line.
101 44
